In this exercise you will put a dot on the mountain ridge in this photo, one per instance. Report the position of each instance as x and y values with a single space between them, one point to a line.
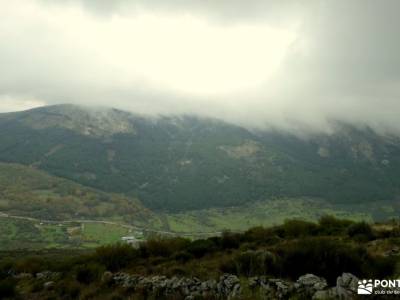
183 163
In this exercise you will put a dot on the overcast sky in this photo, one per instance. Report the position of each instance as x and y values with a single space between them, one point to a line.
255 62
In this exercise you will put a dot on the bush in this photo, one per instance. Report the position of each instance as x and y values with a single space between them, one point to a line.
260 235
296 228
163 247
329 225
5 266
252 263
183 256
320 256
230 240
115 257
199 248
89 273
29 265
380 267
176 271
228 265
69 289
7 288
360 231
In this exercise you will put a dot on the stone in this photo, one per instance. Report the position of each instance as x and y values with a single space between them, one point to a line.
312 281
236 291
273 288
254 282
308 284
23 276
346 286
47 275
228 286
107 277
49 285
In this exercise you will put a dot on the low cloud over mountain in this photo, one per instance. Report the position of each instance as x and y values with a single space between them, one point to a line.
255 63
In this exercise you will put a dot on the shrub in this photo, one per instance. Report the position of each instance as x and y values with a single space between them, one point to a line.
230 240
252 263
89 273
69 289
199 248
163 247
29 265
380 267
260 235
176 271
320 256
296 228
7 288
228 265
361 231
183 256
5 266
329 225
116 257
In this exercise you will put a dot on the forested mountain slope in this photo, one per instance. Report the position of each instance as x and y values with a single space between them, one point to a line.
185 163
27 192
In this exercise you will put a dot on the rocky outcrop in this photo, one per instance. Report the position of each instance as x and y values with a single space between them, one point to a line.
271 288
49 285
308 286
228 286
345 289
47 275
346 286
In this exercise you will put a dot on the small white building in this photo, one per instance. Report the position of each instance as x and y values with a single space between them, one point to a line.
131 240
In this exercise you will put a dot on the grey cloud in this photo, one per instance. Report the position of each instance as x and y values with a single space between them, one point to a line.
350 69
220 10
344 65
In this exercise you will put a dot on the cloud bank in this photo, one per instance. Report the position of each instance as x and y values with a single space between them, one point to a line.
257 63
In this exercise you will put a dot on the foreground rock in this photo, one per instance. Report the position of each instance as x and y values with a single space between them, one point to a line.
228 286
307 286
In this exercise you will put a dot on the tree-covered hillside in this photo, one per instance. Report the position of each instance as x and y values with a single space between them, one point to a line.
27 192
186 163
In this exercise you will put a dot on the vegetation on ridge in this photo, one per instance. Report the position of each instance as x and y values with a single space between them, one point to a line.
26 191
326 249
187 163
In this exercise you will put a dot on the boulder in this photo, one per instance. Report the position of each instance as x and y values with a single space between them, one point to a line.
228 286
107 277
307 285
49 285
47 275
346 286
312 282
277 288
254 282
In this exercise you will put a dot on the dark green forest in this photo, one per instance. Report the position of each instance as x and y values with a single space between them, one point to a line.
185 163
